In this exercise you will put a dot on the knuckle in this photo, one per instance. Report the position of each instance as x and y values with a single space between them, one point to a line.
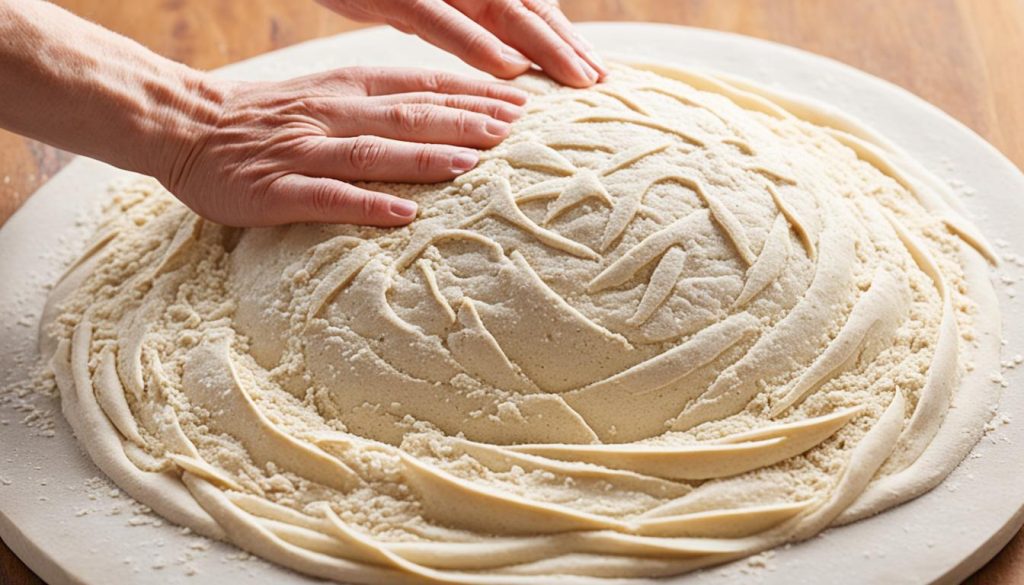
427 159
543 9
412 117
349 76
455 101
361 80
479 42
432 82
371 206
464 123
318 109
323 199
473 104
514 10
436 82
365 153
356 73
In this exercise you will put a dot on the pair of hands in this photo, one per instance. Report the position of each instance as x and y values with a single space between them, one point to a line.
287 152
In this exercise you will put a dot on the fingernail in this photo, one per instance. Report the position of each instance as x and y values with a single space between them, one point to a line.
510 113
464 161
597 61
497 128
514 57
403 208
586 70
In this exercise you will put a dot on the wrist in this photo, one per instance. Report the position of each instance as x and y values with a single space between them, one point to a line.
184 109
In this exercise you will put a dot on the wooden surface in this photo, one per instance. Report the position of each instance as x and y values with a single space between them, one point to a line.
961 55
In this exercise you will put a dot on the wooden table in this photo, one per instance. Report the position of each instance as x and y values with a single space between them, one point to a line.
961 55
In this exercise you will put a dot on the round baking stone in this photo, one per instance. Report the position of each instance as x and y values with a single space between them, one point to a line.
71 526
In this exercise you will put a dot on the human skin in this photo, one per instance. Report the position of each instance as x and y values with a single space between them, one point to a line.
264 153
501 37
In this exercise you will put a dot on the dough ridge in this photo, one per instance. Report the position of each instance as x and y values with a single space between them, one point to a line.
673 320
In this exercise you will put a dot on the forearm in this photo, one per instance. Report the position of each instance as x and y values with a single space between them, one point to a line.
77 86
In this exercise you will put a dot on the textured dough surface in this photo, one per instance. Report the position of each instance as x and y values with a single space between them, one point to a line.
671 321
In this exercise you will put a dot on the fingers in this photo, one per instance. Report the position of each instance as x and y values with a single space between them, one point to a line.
370 158
415 122
391 80
541 32
443 26
550 13
497 109
296 198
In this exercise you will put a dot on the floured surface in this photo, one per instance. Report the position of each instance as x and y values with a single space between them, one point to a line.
469 319
665 324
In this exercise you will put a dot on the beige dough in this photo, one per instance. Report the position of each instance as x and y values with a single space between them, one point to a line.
673 320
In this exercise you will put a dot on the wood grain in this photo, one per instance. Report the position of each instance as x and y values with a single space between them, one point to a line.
961 55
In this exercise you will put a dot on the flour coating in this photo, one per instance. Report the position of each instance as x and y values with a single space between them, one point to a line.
671 321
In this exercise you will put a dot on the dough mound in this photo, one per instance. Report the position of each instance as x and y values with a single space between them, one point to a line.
673 320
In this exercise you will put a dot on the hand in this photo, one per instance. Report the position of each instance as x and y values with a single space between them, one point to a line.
491 35
285 152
